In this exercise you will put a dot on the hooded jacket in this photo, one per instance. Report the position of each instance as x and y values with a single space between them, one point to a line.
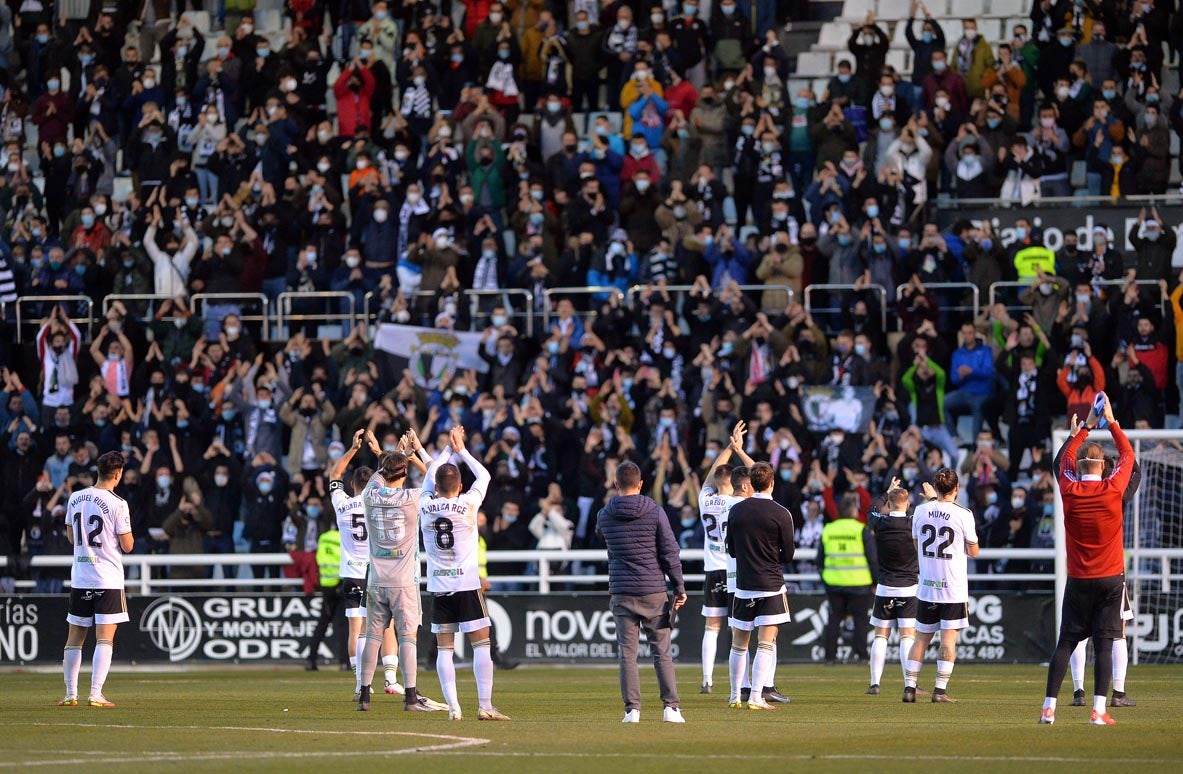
642 549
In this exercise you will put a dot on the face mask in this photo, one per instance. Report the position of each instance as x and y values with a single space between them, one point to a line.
873 211
1065 42
264 403
80 269
887 91
223 52
149 83
668 353
1020 233
1017 502
1077 341
886 124
689 10
640 151
43 39
992 498
352 261
748 130
987 244
926 36
503 54
993 123
910 474
656 18
971 34
1108 93
419 80
262 53
843 77
402 316
627 383
164 482
495 18
642 185
190 202
905 243
227 415
1153 234
581 26
54 84
1151 98
381 215
843 239
232 331
666 422
221 479
265 487
1045 288
87 220
938 65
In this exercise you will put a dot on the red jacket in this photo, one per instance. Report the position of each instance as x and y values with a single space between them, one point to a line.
681 97
1153 355
1080 397
353 109
1093 510
631 166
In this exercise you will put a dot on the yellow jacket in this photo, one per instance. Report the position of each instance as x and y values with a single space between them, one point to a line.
628 95
1177 311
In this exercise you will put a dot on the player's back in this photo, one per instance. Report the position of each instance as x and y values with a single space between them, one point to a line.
896 550
1093 526
392 520
97 518
713 509
450 541
942 530
351 524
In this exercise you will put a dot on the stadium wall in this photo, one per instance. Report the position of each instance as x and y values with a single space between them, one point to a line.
1005 627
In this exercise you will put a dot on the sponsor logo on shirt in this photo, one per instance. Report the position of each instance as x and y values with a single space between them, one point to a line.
454 573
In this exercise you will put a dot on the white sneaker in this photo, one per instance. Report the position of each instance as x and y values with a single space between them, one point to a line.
394 688
454 713
632 716
672 715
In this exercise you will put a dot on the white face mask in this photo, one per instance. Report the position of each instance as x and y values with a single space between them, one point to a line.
413 198
323 167
381 215
353 261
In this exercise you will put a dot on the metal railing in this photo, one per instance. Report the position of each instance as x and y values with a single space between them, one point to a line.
86 321
244 301
810 289
284 315
127 299
553 567
996 287
584 290
976 308
477 315
679 291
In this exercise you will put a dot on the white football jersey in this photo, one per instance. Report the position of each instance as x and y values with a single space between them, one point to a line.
392 519
713 509
450 533
351 523
97 518
942 531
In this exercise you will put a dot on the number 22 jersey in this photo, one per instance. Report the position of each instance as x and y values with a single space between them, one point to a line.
941 531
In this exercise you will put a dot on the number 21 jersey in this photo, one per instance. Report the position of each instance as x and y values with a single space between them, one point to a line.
941 531
450 541
97 518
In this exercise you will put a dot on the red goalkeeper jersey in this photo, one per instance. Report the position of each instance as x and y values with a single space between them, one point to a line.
1093 509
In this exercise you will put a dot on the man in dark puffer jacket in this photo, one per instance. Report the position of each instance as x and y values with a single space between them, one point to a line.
642 552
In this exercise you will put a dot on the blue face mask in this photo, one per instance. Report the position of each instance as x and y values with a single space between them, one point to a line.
926 36
905 243
1151 99
627 384
1048 508
992 498
860 350
879 249
80 269
993 123
503 54
581 26
85 59
1020 233
786 475
987 244
262 53
886 124
1065 42
43 39
228 415
265 404
748 130
922 131
59 151
689 10
313 511
552 347
843 239
873 211
1108 93
88 220
843 77
265 487
803 103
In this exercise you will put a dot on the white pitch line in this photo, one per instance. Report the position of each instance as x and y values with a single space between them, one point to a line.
468 741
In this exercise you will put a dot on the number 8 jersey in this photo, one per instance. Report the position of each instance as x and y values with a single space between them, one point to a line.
450 532
97 517
941 531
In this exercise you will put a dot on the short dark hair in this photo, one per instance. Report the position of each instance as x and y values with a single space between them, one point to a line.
361 477
110 465
945 481
723 473
393 465
898 498
761 475
739 474
447 480
628 475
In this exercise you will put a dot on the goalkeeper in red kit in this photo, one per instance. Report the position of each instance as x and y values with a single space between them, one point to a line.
1095 591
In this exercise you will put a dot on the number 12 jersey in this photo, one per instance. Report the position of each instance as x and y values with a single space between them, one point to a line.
97 517
941 531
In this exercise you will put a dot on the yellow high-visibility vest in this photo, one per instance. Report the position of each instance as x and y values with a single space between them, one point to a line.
845 556
328 558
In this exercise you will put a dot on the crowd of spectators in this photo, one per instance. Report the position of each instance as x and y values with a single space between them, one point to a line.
417 155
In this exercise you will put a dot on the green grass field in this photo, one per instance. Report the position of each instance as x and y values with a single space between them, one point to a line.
568 719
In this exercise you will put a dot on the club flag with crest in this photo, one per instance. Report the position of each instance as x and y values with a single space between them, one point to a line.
433 355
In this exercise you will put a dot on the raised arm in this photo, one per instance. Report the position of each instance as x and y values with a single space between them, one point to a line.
429 477
338 468
481 485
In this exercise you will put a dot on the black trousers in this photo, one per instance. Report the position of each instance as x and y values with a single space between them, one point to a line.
853 601
332 601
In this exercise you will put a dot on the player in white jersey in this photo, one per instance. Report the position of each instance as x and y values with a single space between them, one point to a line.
714 501
392 595
945 537
99 525
448 520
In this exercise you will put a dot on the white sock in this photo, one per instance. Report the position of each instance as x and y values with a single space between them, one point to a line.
737 667
100 666
906 644
408 651
1076 664
944 672
878 658
71 665
390 667
355 662
1049 702
482 670
1121 661
912 672
710 647
1099 705
772 674
447 674
762 667
747 675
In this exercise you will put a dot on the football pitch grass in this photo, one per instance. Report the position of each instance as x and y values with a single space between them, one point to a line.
567 719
